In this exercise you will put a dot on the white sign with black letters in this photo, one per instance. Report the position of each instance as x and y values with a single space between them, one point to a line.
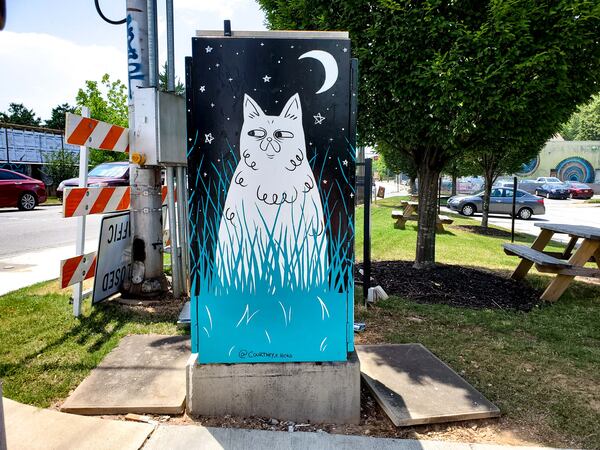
114 256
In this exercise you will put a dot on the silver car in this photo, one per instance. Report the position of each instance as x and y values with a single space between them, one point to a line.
527 204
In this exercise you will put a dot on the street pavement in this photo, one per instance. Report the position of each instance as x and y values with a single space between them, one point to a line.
32 244
572 212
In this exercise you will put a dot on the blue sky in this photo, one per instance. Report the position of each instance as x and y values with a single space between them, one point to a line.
49 48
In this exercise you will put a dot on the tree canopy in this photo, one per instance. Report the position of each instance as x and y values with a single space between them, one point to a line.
439 78
584 124
57 116
107 101
20 115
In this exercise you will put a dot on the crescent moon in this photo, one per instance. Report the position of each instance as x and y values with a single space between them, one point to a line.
329 64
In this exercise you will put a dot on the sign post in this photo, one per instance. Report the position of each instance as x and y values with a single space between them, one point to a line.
80 240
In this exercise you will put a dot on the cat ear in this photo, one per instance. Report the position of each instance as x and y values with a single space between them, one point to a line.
292 109
251 108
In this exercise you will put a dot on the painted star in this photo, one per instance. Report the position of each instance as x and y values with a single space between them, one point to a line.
208 49
262 44
351 195
319 119
345 162
217 65
324 181
344 49
208 138
212 105
266 78
202 88
230 79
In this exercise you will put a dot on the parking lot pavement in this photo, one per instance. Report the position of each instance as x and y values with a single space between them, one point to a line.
572 212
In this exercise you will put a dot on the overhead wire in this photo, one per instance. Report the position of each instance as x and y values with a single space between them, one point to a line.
106 19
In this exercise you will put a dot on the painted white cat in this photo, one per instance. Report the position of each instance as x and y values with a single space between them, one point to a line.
272 230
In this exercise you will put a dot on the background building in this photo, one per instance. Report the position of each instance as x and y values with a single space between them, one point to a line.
567 160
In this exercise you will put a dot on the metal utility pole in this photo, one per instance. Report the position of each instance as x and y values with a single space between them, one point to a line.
147 277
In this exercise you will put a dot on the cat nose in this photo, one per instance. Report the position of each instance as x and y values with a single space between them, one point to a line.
269 139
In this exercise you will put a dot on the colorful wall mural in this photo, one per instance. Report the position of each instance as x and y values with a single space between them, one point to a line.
568 160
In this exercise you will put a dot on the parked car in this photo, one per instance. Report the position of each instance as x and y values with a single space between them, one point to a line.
528 185
544 180
105 174
527 205
21 191
553 190
579 190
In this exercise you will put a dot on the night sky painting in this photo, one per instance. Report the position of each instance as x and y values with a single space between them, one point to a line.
271 162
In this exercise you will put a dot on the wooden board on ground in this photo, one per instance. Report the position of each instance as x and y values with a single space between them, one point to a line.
143 374
414 387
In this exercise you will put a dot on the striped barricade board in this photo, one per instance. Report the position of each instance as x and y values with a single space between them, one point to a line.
82 201
96 134
76 269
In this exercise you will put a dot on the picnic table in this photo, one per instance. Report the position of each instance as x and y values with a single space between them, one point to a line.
565 265
410 212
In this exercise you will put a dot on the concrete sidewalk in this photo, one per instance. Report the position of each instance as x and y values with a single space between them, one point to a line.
202 438
23 270
32 428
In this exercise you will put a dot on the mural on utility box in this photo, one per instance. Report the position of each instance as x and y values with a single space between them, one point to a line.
271 177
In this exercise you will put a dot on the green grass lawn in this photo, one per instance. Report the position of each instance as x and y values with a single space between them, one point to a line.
52 201
541 368
45 352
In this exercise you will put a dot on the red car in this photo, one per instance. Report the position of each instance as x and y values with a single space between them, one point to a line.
20 190
579 190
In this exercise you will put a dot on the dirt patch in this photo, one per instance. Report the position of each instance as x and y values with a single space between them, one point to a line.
373 422
454 286
490 231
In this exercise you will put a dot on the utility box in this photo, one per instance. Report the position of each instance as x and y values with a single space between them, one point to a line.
271 163
159 127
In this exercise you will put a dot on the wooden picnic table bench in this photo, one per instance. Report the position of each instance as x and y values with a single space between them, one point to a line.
564 269
410 212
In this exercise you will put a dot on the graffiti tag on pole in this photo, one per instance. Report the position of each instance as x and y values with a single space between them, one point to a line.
134 59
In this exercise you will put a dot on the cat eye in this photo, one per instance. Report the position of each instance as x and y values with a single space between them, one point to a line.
283 134
257 133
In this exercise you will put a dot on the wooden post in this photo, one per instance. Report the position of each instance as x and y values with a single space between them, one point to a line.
561 282
539 244
570 246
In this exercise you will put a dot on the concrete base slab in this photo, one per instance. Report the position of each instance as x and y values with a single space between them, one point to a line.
327 392
201 438
144 374
414 387
31 428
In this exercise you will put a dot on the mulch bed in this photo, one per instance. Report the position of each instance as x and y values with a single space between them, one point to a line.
495 232
453 285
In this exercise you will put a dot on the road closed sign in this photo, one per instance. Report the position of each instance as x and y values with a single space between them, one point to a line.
114 256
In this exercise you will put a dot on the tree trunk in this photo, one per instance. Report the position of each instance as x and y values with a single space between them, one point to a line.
489 180
454 183
428 193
